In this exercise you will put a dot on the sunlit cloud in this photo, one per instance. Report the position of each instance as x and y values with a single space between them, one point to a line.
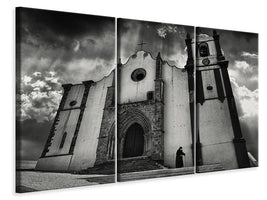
76 46
166 29
244 66
247 107
249 55
38 100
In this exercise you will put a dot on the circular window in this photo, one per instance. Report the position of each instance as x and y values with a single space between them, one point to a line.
138 74
73 103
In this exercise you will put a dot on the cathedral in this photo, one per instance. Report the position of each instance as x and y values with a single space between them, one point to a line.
160 108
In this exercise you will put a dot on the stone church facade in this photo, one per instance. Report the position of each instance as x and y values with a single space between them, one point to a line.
157 112
154 110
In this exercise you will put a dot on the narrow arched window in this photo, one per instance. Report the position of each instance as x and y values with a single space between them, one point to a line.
203 49
113 99
111 144
63 140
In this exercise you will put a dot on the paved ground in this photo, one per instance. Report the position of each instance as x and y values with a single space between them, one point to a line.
29 181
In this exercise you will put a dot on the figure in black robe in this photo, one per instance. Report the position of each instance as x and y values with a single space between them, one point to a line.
179 157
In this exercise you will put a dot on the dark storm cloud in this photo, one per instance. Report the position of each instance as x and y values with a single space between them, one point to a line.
48 26
50 39
30 144
251 139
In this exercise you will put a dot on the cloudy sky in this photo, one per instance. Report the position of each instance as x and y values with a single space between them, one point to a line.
241 49
168 39
56 48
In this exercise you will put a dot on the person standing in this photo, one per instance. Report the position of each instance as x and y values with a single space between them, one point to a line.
179 158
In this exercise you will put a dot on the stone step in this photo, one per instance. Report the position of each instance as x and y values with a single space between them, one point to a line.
154 174
209 168
168 172
104 168
135 164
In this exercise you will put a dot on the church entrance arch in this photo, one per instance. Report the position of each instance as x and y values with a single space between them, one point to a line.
134 134
134 141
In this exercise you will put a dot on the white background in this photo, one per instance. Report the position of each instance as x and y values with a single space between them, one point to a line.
249 16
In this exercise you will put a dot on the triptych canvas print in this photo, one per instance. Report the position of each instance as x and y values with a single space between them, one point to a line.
105 100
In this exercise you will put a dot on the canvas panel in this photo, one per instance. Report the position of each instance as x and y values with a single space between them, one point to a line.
154 107
61 59
226 66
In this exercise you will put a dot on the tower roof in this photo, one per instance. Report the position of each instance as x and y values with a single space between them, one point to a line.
203 37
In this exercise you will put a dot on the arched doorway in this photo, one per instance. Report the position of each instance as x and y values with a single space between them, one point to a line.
134 141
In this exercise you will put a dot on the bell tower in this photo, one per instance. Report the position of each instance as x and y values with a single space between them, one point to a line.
218 134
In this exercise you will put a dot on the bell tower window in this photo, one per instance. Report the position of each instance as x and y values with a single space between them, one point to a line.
203 49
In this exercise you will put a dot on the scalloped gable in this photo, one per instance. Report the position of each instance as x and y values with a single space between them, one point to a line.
142 53
137 55
111 73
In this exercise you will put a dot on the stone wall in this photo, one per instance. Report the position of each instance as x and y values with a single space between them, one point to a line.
106 143
142 113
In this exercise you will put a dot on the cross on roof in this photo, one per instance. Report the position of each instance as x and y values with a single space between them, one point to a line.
141 45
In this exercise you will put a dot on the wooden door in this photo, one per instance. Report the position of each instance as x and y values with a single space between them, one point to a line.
134 141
